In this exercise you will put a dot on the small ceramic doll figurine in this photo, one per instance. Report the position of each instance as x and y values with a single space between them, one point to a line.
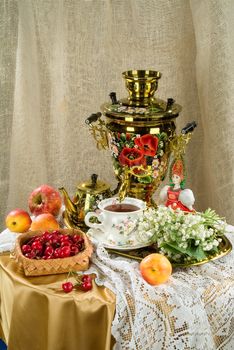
175 195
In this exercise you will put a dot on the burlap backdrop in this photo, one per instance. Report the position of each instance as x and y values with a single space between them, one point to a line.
61 58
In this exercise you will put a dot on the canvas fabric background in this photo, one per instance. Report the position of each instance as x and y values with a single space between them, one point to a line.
60 59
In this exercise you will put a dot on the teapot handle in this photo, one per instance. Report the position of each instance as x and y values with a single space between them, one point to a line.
92 214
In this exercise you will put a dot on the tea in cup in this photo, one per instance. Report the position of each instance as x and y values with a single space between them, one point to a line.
117 219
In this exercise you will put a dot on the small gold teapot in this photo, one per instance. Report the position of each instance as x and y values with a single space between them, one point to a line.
87 197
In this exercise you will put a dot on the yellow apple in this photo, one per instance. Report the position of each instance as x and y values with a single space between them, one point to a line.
155 268
18 220
44 222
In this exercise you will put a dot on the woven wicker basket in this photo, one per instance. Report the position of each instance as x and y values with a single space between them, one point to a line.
32 267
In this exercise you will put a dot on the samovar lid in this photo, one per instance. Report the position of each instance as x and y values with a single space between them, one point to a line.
93 186
141 103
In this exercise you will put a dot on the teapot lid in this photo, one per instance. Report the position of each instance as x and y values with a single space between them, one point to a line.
93 186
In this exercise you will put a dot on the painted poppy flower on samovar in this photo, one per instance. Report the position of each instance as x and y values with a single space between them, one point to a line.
148 144
131 157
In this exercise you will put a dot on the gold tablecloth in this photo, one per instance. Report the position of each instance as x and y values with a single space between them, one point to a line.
37 315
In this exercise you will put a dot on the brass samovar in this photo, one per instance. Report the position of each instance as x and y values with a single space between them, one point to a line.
140 133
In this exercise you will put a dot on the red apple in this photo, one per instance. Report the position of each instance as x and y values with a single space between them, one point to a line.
44 222
45 199
18 220
155 268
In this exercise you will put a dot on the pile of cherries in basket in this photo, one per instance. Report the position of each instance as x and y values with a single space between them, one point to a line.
53 245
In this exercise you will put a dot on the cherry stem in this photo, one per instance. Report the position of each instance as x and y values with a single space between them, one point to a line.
77 277
68 275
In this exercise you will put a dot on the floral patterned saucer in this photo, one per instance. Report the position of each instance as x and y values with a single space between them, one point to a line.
110 242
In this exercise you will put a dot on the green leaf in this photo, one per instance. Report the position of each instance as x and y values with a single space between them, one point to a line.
145 179
116 163
123 136
211 217
195 252
174 248
171 248
163 136
214 250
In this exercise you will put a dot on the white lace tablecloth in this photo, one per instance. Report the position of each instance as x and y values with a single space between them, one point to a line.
193 311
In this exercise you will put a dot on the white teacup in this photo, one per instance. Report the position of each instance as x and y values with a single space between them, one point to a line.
118 219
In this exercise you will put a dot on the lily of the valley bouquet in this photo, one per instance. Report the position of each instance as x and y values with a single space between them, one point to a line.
182 237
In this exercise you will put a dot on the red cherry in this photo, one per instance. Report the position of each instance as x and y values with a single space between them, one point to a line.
26 248
64 238
67 287
77 238
64 243
74 249
65 251
57 253
55 241
48 257
31 255
37 246
86 278
42 240
50 241
86 286
48 251
46 235
36 239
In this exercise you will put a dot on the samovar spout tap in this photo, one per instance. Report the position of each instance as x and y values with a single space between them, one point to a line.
125 184
189 127
93 118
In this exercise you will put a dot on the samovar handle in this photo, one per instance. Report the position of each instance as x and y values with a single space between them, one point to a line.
98 129
179 142
170 102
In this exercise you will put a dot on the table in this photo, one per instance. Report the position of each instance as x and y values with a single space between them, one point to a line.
193 311
37 315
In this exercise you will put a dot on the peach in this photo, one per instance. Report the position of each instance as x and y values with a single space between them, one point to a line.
44 222
155 268
18 220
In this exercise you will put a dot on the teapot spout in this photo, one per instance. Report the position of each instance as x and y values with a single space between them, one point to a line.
69 205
